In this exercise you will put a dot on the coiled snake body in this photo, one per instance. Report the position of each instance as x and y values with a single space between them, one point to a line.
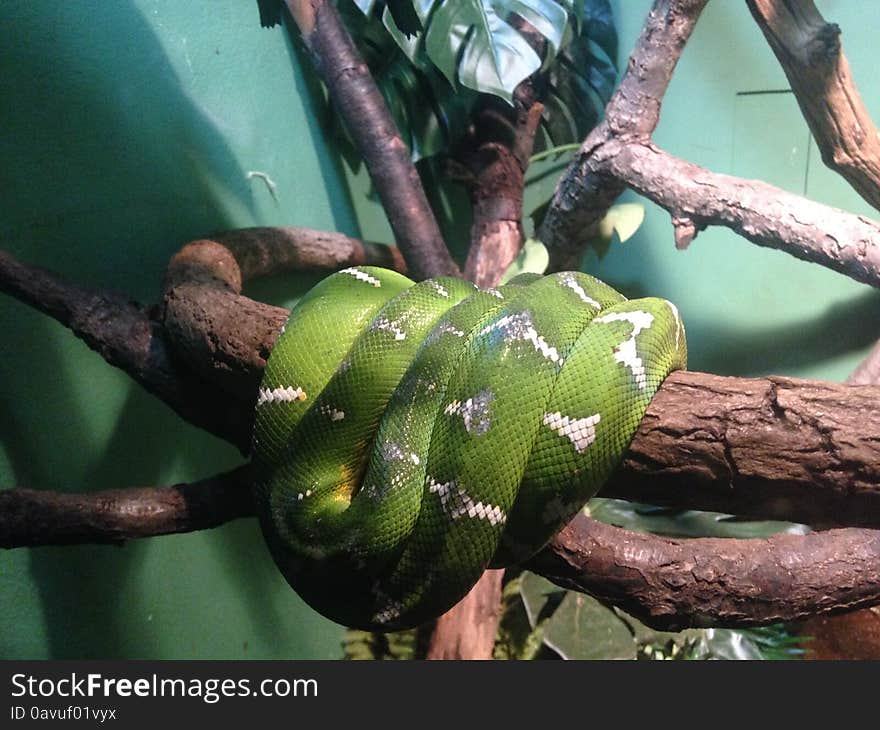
409 435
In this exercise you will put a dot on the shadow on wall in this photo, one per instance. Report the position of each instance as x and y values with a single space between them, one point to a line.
108 166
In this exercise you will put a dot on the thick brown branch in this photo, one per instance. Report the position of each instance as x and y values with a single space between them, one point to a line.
360 104
809 52
666 583
128 337
226 337
771 448
585 191
619 153
757 211
265 250
675 584
29 517
204 351
779 448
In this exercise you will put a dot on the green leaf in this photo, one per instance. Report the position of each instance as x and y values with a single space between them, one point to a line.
623 219
365 6
468 41
516 638
533 259
574 625
599 21
583 628
409 44
583 75
682 523
548 17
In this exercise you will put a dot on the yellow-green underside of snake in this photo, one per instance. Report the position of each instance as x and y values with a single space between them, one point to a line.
408 436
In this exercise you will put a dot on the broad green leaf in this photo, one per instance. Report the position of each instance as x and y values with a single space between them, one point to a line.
533 258
623 219
682 523
583 628
471 43
583 74
599 22
423 9
410 45
365 6
474 49
548 17
516 638
574 625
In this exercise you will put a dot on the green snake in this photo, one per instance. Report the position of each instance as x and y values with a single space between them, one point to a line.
410 435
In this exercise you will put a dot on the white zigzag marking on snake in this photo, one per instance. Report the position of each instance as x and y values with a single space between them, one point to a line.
457 503
569 280
333 413
392 450
362 276
580 431
444 329
474 412
280 395
438 287
677 322
519 326
625 353
383 323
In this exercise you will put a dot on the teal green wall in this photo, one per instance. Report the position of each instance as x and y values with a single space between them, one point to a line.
129 128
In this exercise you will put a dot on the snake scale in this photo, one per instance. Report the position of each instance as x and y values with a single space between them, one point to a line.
410 435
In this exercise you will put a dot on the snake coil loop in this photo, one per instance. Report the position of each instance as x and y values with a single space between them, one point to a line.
410 435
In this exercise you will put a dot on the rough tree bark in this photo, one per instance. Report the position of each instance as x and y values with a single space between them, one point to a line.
675 584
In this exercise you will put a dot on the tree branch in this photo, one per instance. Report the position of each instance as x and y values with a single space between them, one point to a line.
669 584
699 582
39 517
468 629
203 352
619 153
130 338
809 51
770 448
586 191
773 448
497 153
275 250
358 101
761 213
